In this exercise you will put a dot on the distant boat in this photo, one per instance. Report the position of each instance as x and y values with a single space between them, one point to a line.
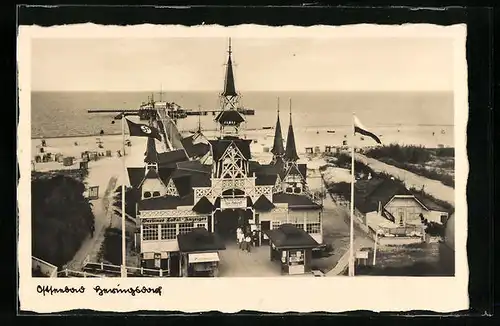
267 128
330 131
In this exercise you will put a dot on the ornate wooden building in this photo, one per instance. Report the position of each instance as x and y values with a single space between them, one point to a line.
179 193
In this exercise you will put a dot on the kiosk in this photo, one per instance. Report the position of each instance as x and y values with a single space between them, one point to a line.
292 247
199 250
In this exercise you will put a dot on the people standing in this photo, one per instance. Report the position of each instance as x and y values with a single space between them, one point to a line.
239 237
248 242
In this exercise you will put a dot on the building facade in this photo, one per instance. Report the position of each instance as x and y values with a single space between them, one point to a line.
178 191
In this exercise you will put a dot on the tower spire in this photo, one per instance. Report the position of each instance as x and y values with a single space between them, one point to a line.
229 87
291 149
278 150
151 155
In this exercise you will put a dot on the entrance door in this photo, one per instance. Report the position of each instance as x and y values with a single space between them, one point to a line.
226 223
174 264
264 225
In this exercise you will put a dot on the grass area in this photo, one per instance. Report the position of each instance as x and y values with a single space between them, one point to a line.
411 260
433 163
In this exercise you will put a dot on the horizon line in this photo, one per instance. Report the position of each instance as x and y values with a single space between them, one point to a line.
246 91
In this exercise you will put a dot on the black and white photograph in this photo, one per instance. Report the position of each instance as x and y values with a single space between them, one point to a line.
220 153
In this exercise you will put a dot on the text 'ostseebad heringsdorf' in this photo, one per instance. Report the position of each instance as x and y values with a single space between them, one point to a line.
100 291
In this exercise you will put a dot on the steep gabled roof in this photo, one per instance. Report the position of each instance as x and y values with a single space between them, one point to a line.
262 204
165 202
368 193
151 155
203 206
278 149
194 150
265 179
172 157
295 202
220 146
291 149
135 175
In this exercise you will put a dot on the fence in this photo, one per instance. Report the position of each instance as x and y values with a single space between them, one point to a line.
403 230
72 273
131 271
45 268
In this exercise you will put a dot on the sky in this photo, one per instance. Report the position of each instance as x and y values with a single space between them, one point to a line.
265 64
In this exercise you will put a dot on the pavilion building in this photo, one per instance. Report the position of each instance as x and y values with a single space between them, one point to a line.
177 193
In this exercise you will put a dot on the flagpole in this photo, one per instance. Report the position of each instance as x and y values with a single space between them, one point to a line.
124 264
351 227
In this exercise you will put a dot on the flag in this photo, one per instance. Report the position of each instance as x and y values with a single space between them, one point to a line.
359 128
142 130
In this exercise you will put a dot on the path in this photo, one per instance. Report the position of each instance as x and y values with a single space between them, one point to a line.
411 180
102 220
336 228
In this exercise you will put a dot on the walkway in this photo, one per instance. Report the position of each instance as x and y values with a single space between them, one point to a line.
411 180
91 245
238 263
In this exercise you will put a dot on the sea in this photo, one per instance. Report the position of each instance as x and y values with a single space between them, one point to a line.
64 114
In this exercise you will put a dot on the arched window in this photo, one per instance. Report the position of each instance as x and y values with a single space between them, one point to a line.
147 194
156 194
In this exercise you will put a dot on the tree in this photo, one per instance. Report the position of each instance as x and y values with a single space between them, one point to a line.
61 217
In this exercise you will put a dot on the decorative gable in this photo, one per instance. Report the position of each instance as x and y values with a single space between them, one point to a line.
171 188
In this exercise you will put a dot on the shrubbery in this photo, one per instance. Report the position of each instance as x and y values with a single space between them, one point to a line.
61 216
407 157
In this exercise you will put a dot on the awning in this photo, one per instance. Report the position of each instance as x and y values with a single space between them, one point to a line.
203 257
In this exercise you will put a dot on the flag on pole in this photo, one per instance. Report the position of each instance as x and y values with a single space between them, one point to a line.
359 128
142 130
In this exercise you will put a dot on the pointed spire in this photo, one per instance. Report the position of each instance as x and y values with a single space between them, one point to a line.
291 150
199 119
151 153
229 88
278 149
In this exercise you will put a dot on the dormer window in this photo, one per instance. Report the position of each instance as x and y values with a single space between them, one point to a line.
152 166
147 194
156 194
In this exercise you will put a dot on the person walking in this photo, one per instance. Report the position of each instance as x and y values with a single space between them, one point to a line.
248 242
92 229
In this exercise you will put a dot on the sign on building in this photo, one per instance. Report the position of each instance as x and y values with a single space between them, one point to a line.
179 219
94 192
233 203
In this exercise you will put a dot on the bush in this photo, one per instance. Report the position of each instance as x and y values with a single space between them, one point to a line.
61 216
401 154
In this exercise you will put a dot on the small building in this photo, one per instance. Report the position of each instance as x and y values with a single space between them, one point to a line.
388 206
309 150
328 149
199 252
292 247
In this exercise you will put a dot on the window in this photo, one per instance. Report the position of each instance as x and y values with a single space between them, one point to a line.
185 227
299 226
201 225
156 194
147 194
313 227
150 232
168 231
275 224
